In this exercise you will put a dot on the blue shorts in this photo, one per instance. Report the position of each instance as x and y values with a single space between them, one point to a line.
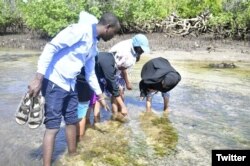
82 109
59 103
120 82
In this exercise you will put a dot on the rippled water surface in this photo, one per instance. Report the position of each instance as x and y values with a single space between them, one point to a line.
209 109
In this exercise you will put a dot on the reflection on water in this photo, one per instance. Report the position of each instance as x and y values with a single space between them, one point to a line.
209 110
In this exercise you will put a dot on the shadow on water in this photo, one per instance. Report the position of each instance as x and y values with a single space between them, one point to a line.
209 109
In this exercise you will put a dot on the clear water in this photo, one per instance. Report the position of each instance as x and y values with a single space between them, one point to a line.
210 109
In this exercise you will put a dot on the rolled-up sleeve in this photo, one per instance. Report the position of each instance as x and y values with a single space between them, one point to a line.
91 76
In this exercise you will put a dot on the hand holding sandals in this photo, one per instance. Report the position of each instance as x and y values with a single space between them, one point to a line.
35 85
31 107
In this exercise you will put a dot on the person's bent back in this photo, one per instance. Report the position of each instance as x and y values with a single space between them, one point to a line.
158 75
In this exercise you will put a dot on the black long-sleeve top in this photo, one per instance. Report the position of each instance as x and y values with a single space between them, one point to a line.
105 68
82 87
154 72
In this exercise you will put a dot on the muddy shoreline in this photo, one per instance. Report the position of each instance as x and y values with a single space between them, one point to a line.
178 48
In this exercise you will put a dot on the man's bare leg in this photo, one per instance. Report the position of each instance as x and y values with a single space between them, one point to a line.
122 96
114 105
48 145
81 129
97 108
148 104
166 102
71 138
88 115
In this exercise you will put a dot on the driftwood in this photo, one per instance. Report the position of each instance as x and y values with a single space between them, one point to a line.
174 25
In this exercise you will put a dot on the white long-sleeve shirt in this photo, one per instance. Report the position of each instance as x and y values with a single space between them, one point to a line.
63 57
125 54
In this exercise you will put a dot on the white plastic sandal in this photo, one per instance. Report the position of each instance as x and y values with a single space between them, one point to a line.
23 109
37 112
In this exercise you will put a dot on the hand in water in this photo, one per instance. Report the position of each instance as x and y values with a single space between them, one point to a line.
104 104
124 111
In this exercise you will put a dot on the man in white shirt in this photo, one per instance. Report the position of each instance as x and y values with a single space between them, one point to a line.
127 53
59 64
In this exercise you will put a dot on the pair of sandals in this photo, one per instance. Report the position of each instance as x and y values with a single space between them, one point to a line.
31 110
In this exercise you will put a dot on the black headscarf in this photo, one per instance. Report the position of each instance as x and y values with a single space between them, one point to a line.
159 75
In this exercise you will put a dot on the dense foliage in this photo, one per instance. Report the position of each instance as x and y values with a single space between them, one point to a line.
50 16
9 16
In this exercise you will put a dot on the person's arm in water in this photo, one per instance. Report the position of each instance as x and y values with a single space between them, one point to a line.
62 40
93 81
125 76
107 65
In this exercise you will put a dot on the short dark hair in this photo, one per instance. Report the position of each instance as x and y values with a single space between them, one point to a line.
110 19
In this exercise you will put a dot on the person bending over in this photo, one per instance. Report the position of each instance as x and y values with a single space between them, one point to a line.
126 54
157 76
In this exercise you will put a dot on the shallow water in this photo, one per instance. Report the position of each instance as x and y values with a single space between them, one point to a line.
209 109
